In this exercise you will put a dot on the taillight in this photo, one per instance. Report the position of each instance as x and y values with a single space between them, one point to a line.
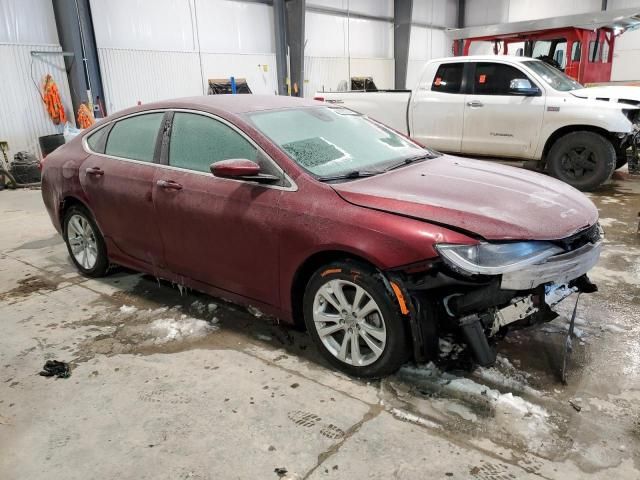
320 99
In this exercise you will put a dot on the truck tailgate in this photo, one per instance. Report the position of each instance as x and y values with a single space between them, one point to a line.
389 107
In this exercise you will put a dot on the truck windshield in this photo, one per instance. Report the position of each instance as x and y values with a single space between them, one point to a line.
554 77
334 143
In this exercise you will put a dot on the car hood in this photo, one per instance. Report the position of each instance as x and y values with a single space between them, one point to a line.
493 201
609 93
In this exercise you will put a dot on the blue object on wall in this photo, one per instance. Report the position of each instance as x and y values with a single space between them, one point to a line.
233 85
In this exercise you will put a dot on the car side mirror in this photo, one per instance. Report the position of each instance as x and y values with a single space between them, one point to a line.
241 169
522 86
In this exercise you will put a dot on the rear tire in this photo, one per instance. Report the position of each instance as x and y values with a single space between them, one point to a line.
85 243
337 299
584 160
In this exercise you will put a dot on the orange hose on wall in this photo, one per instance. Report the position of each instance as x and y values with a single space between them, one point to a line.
52 101
85 117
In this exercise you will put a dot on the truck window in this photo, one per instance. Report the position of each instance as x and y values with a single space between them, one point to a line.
448 78
575 51
495 78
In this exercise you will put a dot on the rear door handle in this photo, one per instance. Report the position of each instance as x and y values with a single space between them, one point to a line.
97 171
475 103
169 185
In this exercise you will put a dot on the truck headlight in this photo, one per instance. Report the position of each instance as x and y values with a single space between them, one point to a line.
496 258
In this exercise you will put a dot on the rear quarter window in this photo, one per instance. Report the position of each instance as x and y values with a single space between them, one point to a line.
448 78
97 141
135 137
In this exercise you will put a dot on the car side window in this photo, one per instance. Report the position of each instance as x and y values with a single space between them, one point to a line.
197 141
97 140
497 79
135 137
448 78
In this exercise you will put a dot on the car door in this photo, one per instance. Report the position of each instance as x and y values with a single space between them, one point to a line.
216 230
118 180
437 107
498 121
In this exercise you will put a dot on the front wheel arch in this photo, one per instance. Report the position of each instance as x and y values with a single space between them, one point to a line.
561 132
306 270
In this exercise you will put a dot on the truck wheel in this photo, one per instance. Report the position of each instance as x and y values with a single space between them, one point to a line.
355 321
584 160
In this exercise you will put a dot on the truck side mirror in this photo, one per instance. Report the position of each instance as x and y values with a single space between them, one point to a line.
523 86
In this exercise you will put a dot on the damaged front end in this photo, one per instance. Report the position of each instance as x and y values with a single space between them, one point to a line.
482 291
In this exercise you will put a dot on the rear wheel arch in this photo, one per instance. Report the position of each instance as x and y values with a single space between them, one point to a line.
70 201
306 270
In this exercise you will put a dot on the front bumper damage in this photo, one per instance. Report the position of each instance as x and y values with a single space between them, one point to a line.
483 309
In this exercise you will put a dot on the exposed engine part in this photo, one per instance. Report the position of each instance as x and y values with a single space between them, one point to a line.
473 332
520 309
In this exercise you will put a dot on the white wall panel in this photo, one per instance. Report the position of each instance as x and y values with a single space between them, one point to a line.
234 27
380 8
326 35
129 76
617 4
381 69
324 72
27 22
436 12
23 117
164 25
486 12
251 67
428 43
527 10
371 39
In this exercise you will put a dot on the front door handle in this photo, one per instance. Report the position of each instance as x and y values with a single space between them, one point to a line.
475 103
96 171
169 185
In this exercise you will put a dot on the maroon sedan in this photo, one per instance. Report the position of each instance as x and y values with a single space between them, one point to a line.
318 214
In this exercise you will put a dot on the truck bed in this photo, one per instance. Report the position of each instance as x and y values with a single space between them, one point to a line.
386 106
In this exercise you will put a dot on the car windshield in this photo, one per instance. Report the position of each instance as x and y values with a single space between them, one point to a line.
554 77
336 142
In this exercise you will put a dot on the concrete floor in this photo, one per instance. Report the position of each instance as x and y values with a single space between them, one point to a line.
185 386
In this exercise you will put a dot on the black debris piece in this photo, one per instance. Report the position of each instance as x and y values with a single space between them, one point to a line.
280 471
54 368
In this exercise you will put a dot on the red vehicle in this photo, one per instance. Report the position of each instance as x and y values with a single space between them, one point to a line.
584 55
580 45
317 214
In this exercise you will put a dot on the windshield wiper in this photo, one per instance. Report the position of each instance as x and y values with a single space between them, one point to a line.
410 160
349 175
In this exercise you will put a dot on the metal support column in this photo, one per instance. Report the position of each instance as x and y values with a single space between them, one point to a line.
75 32
280 29
462 4
402 11
295 39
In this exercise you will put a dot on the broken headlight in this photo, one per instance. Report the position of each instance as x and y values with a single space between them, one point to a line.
496 258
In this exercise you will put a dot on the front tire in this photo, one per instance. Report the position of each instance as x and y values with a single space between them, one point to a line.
355 320
584 160
85 243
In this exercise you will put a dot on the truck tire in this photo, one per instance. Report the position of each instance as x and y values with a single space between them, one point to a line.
584 160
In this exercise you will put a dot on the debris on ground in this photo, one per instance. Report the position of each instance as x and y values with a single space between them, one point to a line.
576 406
55 368
280 471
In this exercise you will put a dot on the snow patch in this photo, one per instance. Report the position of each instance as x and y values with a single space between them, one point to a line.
171 329
410 417
255 312
128 309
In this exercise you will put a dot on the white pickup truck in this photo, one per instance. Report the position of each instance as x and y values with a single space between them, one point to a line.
512 107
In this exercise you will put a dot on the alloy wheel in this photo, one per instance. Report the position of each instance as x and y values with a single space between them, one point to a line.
349 322
82 240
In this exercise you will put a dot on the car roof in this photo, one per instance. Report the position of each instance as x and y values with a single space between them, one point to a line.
491 58
233 104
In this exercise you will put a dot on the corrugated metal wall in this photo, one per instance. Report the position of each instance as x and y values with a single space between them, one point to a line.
23 117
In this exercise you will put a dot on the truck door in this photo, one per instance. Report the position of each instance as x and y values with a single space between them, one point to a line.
503 114
437 107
